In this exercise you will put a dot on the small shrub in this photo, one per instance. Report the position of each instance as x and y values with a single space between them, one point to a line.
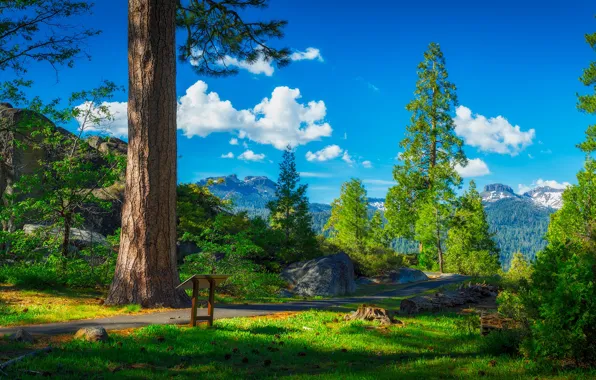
468 325
503 342
248 280
377 262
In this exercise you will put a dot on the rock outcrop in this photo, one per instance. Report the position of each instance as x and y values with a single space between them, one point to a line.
324 276
407 275
79 238
21 152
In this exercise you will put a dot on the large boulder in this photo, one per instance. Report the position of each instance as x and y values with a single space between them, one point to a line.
21 153
79 238
407 275
324 276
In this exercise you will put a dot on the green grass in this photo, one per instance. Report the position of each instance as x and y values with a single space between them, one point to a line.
24 307
310 344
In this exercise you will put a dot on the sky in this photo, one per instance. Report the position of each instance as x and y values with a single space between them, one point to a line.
341 102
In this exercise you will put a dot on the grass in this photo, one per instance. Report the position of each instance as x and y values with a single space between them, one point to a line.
23 307
309 344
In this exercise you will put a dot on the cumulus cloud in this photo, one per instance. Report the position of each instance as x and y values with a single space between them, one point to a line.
493 134
117 126
367 164
229 155
249 155
328 153
279 120
475 168
310 54
542 183
233 141
347 158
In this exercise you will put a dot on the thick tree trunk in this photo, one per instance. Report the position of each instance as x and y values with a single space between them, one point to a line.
146 271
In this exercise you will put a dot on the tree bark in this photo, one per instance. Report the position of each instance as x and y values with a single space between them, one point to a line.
146 271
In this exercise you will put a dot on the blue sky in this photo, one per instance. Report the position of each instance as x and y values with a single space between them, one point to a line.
515 64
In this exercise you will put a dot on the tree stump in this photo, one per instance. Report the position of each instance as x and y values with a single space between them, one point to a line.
371 313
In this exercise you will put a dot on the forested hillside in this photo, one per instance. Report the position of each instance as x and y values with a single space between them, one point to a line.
519 222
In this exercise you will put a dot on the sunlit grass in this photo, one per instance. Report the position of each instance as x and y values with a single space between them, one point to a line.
22 307
308 344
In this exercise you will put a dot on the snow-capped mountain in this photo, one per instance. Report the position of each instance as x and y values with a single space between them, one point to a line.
541 196
497 192
546 196
376 203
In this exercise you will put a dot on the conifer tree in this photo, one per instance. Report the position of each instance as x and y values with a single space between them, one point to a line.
289 212
561 299
470 247
419 206
348 224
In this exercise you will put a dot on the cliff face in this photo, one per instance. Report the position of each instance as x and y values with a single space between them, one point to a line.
21 152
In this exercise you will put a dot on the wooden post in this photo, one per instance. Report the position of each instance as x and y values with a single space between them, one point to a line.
193 310
210 303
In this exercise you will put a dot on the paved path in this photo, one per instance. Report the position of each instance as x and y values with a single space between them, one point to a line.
182 316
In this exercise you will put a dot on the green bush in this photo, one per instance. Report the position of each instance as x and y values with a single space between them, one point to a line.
503 342
377 262
248 280
519 272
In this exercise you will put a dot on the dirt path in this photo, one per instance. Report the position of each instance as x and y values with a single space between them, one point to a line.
182 316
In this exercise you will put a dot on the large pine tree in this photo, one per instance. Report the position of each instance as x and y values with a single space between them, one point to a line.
561 301
470 247
146 271
289 212
419 206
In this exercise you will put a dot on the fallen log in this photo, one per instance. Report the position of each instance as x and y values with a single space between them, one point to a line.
372 313
18 359
464 295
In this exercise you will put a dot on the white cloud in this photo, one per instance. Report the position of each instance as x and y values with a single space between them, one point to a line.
347 158
310 54
314 175
328 153
367 164
542 183
117 127
378 182
245 144
546 151
494 134
229 155
249 155
260 66
475 168
280 120
530 156
233 141
345 135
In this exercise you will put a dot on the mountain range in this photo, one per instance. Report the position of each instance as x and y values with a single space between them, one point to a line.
519 221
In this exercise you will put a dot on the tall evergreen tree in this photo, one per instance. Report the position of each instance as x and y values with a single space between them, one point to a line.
289 212
470 247
419 206
561 299
146 271
348 224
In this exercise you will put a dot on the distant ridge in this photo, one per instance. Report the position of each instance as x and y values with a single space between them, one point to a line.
518 221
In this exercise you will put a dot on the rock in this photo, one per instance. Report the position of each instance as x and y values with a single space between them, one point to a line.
285 293
79 238
92 334
185 248
324 276
366 281
22 336
406 276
